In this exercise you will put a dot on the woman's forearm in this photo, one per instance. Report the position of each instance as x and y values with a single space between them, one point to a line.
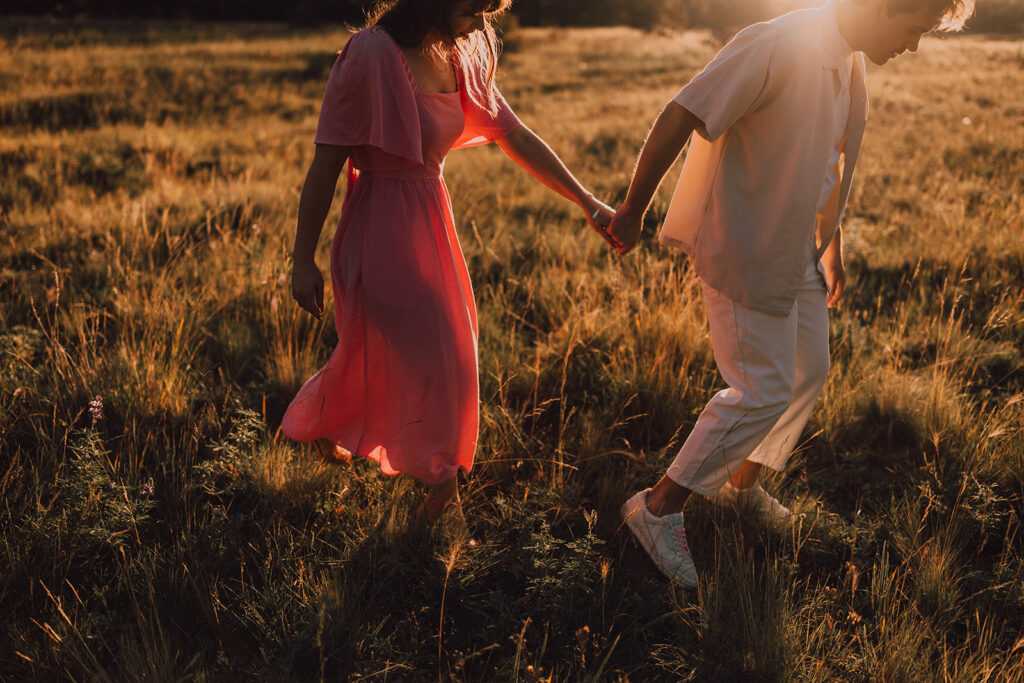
666 139
315 201
525 148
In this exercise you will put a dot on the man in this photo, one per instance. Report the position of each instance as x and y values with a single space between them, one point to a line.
779 113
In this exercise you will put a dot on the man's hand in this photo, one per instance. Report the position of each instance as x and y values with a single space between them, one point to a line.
626 227
308 288
835 273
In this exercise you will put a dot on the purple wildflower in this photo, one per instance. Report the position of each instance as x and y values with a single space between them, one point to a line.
96 408
147 490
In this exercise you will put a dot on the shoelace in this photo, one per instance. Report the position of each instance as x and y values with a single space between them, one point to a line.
678 537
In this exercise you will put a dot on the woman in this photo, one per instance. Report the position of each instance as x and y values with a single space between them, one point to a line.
401 387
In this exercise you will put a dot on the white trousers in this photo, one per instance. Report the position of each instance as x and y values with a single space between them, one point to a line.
775 368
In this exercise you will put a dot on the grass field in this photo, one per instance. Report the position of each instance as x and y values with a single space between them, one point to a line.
150 179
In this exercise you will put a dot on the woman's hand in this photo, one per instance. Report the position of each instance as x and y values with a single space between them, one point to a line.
600 216
308 287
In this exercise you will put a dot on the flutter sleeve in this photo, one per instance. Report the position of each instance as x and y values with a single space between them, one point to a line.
482 124
369 99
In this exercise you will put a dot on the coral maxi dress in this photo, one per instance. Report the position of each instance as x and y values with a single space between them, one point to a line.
401 387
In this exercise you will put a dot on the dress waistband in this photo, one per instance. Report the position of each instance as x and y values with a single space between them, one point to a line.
410 174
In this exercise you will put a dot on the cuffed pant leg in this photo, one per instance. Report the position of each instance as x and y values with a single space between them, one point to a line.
756 355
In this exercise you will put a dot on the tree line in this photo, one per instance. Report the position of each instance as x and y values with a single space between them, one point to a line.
640 13
992 16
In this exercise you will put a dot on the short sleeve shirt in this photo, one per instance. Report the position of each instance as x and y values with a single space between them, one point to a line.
746 206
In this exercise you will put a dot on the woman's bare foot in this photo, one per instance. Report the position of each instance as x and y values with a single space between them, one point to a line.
443 507
331 452
438 499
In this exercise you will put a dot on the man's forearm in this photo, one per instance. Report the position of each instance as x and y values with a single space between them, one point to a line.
834 251
666 139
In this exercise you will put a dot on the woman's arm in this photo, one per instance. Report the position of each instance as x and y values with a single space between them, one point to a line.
670 132
529 151
314 204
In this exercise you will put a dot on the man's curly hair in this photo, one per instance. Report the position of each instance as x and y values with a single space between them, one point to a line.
952 14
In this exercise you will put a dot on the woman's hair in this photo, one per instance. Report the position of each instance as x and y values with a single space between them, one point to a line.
409 21
952 14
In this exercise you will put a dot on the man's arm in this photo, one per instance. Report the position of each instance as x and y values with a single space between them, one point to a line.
670 132
835 272
832 257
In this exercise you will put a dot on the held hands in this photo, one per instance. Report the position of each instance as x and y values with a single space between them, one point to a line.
308 288
600 216
625 227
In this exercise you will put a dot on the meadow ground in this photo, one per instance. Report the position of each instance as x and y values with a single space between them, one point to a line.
150 178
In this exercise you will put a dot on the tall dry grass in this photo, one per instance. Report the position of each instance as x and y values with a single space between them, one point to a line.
148 193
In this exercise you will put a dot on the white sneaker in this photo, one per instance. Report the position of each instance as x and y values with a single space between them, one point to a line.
664 539
754 498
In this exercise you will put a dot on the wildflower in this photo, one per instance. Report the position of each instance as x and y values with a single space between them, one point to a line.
96 408
147 490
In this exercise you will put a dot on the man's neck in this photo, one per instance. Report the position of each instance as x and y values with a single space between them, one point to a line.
850 17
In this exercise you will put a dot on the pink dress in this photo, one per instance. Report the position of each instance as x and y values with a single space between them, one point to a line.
401 387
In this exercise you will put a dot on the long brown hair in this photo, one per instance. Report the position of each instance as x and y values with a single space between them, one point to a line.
409 21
